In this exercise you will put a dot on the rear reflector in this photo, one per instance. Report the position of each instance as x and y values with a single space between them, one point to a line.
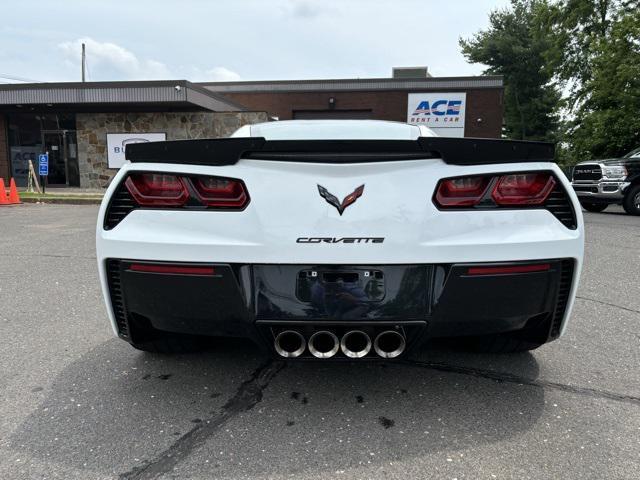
506 269
172 269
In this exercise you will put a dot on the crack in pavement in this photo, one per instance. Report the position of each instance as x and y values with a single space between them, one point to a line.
608 304
45 255
248 395
510 378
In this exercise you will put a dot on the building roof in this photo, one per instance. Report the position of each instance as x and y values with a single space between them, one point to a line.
355 84
171 94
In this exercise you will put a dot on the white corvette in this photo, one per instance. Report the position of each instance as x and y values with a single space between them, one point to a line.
340 239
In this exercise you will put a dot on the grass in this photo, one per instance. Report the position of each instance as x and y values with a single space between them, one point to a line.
75 198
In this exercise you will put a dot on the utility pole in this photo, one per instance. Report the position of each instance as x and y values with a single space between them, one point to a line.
83 62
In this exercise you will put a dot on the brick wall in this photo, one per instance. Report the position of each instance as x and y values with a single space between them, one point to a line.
483 104
4 149
92 129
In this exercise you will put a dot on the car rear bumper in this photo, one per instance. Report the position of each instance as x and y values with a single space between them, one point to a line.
258 300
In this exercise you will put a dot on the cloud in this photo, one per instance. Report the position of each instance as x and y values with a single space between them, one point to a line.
108 61
221 74
305 9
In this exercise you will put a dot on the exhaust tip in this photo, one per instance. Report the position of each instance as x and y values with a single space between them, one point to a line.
389 344
355 344
323 344
289 344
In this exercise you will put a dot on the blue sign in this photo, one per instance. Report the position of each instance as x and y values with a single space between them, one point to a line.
43 164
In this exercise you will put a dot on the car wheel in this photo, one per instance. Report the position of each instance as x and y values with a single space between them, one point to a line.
594 207
631 202
172 344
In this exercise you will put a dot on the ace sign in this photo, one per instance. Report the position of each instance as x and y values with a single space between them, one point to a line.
442 112
117 142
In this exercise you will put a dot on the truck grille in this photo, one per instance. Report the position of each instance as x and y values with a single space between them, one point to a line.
587 172
117 301
564 288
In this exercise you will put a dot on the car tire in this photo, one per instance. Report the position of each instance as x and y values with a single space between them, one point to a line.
172 344
631 201
499 343
594 207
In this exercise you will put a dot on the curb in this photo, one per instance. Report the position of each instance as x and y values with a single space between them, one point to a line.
63 200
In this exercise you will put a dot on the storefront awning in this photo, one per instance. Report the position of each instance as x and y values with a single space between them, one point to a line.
165 95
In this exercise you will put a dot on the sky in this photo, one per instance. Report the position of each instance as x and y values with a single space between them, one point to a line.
222 40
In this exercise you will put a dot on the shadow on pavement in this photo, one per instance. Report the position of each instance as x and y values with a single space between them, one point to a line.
115 408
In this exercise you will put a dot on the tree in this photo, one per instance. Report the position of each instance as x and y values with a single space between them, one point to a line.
516 45
607 118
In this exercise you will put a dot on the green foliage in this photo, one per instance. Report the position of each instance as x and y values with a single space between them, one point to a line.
577 27
515 46
607 114
589 48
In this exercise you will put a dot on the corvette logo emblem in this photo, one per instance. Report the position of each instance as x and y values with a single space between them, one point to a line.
333 200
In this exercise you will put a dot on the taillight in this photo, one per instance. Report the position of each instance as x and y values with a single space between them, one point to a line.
461 191
523 189
165 190
512 189
157 190
220 192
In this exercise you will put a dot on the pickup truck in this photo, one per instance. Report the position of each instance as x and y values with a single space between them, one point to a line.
600 183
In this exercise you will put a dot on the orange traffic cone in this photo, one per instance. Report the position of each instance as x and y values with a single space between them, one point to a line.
13 192
3 194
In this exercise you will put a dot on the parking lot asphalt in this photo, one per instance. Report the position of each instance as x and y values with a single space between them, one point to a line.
78 403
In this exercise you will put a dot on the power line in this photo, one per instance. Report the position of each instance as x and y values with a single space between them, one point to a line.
19 79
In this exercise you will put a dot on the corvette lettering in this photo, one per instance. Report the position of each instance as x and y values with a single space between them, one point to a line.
340 240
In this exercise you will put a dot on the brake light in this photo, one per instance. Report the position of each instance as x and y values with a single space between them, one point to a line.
523 189
221 192
150 189
157 190
461 191
512 189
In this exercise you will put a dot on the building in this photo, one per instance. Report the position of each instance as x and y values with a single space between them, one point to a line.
78 124
84 127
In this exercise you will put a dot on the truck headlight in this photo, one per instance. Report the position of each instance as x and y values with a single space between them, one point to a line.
615 171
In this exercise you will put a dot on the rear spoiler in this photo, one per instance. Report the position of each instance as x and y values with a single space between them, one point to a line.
228 151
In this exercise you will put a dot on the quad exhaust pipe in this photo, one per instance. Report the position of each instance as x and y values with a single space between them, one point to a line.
323 344
289 344
389 344
353 344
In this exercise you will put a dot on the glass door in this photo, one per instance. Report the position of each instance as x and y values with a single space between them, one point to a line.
71 154
63 157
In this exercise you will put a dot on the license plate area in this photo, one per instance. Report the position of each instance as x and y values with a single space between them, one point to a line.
360 284
342 292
